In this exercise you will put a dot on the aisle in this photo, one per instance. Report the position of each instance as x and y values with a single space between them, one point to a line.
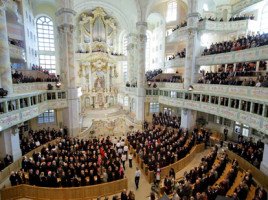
194 163
144 186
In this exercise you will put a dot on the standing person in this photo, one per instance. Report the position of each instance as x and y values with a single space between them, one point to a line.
137 177
124 158
126 150
225 131
130 156
124 195
158 175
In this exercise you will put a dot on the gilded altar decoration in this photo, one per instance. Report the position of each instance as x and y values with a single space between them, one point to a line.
96 66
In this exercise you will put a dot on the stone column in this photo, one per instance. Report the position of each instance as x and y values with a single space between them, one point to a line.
65 18
141 27
188 118
5 66
130 58
264 163
10 143
192 46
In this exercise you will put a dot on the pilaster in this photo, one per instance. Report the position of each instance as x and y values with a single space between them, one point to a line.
5 67
188 118
65 18
264 163
141 44
10 143
192 46
131 51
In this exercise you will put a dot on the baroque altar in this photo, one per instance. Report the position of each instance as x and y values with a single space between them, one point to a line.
97 68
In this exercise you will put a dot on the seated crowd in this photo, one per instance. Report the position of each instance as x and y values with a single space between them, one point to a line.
230 77
33 139
8 159
166 77
151 74
72 163
16 42
243 42
18 77
249 150
117 54
235 18
165 144
182 24
180 54
206 180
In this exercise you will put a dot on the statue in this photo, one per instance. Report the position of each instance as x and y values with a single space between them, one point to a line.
99 83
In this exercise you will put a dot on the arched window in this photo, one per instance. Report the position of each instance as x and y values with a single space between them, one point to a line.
125 101
264 17
46 46
171 11
125 43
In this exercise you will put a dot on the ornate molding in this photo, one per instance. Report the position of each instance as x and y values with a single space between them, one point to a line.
65 11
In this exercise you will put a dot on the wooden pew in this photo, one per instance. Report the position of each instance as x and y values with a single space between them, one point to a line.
237 181
259 177
74 193
15 166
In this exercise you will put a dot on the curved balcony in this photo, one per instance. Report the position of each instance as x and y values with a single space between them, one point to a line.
253 54
174 63
230 26
131 90
16 52
170 86
258 93
30 87
119 57
19 108
248 105
12 7
257 122
241 5
177 35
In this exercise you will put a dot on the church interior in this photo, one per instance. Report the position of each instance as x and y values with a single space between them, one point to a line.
133 99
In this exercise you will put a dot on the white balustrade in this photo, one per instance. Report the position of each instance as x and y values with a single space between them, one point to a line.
252 54
16 52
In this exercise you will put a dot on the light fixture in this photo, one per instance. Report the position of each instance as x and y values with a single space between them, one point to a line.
190 88
149 83
58 84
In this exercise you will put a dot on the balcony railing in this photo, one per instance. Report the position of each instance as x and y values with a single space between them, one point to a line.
177 62
250 106
259 93
253 54
12 7
16 52
170 86
239 6
18 108
257 122
241 25
177 35
29 87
